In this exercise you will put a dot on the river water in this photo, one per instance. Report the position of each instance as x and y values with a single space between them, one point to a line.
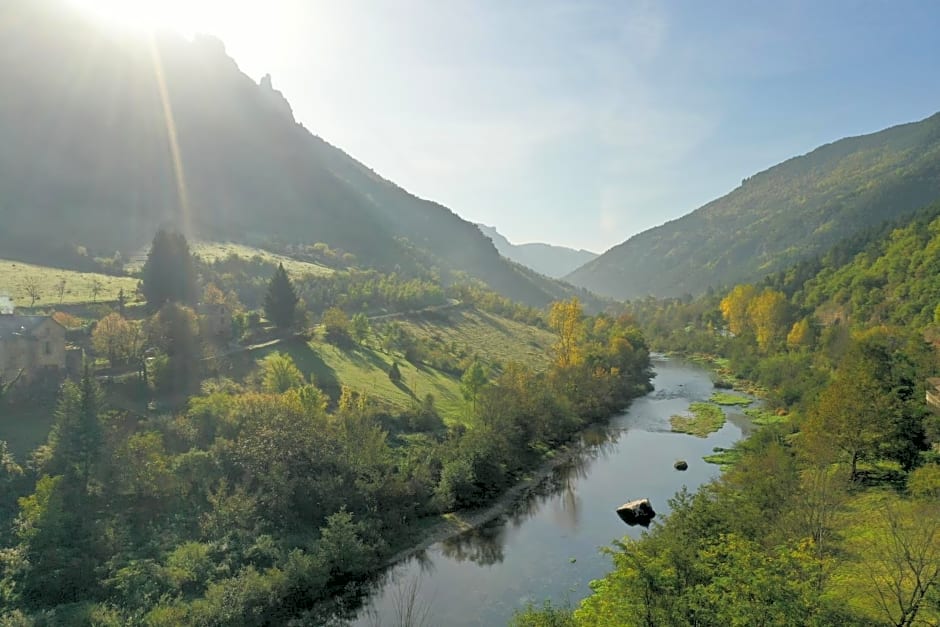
547 547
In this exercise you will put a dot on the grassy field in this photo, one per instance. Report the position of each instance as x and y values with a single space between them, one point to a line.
493 337
15 275
703 419
366 370
210 251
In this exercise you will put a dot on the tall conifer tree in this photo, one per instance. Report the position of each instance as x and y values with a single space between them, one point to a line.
280 302
169 275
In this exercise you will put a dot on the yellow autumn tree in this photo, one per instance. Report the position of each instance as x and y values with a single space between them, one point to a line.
116 338
566 318
734 307
769 317
212 295
800 335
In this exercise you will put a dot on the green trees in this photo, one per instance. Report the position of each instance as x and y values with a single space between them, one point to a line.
76 437
359 327
893 560
60 543
11 485
472 383
280 301
873 407
336 326
262 499
169 274
174 330
279 374
849 417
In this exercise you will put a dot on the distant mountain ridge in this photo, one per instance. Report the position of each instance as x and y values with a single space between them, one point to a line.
792 211
552 261
104 138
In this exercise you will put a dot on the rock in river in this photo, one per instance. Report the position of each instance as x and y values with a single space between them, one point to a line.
681 465
638 512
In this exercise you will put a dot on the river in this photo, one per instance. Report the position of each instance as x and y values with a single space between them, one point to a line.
547 547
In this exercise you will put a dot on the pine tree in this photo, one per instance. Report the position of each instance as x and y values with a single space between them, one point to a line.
169 275
280 303
77 436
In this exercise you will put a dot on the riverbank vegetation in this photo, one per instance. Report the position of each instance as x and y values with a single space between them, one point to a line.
273 494
724 398
830 513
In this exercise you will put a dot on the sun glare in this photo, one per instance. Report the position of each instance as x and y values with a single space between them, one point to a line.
186 17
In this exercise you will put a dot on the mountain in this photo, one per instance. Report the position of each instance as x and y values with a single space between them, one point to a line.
792 211
104 137
552 261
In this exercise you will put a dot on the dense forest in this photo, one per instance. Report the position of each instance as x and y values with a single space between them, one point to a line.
830 513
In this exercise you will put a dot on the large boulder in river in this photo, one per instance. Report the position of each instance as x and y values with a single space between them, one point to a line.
681 464
638 512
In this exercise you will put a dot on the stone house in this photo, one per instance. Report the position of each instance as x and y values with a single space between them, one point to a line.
31 346
215 320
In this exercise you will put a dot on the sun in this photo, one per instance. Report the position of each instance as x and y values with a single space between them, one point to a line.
187 17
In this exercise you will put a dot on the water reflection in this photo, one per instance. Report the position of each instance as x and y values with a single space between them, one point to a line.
546 545
425 564
483 545
566 510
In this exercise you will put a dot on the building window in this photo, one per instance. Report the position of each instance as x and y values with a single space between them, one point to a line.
47 347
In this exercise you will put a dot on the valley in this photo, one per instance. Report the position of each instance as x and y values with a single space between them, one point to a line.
246 379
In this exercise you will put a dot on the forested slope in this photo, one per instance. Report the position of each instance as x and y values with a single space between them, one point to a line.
792 211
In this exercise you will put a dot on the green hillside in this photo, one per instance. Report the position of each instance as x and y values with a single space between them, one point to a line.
793 211
365 370
464 333
495 338
896 280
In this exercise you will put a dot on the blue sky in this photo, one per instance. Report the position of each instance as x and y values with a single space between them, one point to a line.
582 123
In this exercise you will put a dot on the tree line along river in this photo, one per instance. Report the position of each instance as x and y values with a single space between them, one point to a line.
547 545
